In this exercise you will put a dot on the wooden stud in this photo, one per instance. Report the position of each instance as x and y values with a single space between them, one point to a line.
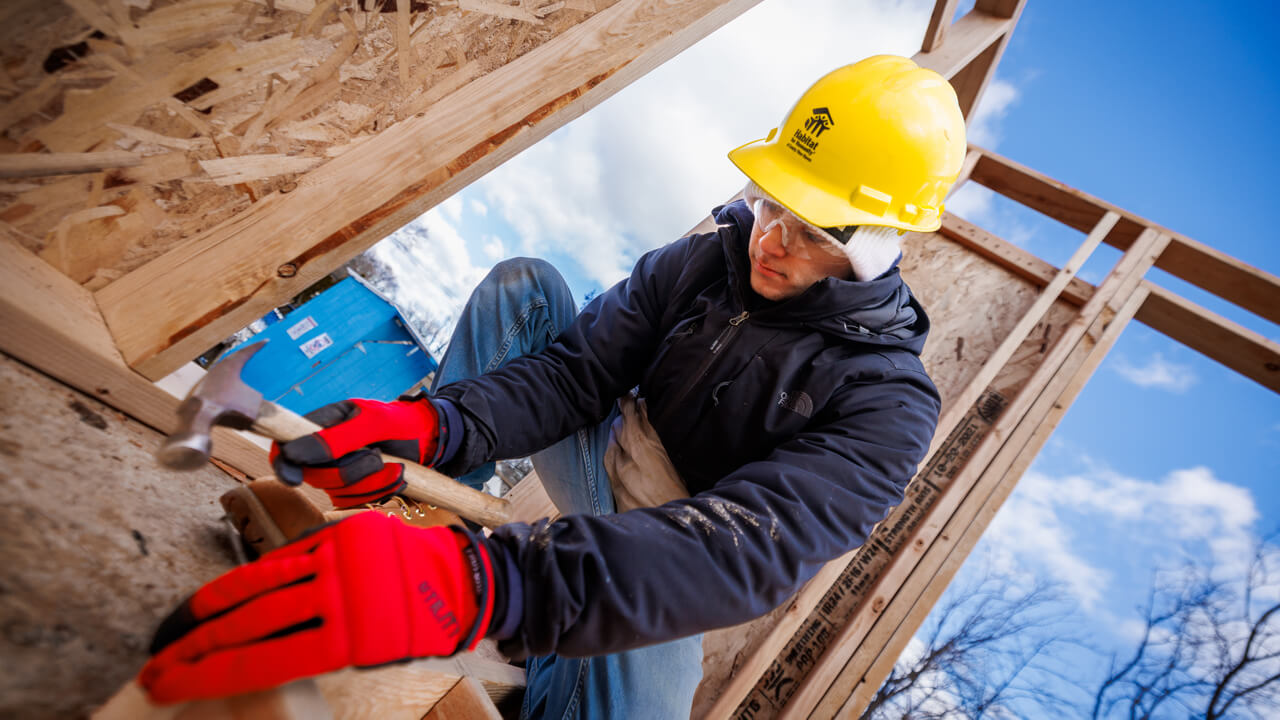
1193 261
1239 348
944 12
968 37
858 680
1122 280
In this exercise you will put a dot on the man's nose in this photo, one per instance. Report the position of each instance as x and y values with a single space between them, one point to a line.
772 241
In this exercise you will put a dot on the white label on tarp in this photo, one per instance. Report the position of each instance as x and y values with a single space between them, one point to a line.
313 346
301 328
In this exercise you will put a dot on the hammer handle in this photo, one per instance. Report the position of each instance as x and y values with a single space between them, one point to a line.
425 485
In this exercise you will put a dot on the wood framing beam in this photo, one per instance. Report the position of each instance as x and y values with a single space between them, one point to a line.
888 597
52 324
967 38
971 82
185 301
1193 261
858 681
1237 347
944 12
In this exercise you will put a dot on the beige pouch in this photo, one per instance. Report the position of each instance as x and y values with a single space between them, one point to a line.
640 471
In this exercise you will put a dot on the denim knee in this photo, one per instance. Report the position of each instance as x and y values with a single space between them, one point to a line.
520 277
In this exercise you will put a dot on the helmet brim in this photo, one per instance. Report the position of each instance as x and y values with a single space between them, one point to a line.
805 195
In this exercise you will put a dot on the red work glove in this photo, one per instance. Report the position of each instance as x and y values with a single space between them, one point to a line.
338 459
366 591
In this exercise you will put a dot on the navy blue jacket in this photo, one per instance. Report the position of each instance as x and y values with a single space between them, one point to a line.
796 425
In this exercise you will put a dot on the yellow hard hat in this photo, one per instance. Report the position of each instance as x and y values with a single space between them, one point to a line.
879 142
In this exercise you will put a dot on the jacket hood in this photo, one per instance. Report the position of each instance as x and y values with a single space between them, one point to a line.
879 312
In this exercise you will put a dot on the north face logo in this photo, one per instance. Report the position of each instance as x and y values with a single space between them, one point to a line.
820 121
797 401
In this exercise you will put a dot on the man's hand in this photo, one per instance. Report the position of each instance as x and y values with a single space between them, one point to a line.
366 591
339 460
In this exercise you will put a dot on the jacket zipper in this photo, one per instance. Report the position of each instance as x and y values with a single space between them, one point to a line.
721 342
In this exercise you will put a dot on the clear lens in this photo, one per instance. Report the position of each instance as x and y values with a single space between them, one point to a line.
798 237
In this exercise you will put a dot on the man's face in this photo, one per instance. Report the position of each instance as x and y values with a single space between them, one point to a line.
782 269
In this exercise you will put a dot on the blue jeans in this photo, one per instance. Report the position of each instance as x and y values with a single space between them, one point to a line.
519 308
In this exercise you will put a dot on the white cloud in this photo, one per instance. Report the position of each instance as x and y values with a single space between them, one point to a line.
493 248
646 165
1188 507
452 208
1157 373
478 207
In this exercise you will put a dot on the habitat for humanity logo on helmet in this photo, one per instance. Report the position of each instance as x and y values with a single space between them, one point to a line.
805 140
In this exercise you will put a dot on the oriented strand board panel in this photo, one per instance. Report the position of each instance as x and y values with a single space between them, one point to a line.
98 543
223 102
972 304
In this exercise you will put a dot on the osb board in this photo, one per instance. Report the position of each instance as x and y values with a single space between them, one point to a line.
972 304
98 544
192 85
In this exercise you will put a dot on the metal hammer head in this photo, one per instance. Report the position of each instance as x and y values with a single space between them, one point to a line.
220 398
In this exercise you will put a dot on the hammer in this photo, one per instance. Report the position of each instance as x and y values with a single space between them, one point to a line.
223 398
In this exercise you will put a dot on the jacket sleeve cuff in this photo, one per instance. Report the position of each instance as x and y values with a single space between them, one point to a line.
508 595
451 427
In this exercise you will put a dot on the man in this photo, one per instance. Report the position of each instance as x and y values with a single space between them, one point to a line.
778 363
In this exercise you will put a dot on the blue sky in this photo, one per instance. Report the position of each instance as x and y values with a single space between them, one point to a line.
1166 109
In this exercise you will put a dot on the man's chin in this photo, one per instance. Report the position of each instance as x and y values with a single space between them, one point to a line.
766 289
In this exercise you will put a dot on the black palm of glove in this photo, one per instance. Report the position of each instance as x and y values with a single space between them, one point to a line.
344 458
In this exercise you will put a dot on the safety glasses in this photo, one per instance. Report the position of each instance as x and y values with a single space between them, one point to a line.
798 237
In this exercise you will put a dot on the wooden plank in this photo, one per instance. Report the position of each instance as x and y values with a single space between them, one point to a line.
968 38
1053 198
1228 278
971 82
944 12
1186 258
466 701
21 165
1239 348
796 687
1011 257
857 682
52 324
161 317
1000 8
